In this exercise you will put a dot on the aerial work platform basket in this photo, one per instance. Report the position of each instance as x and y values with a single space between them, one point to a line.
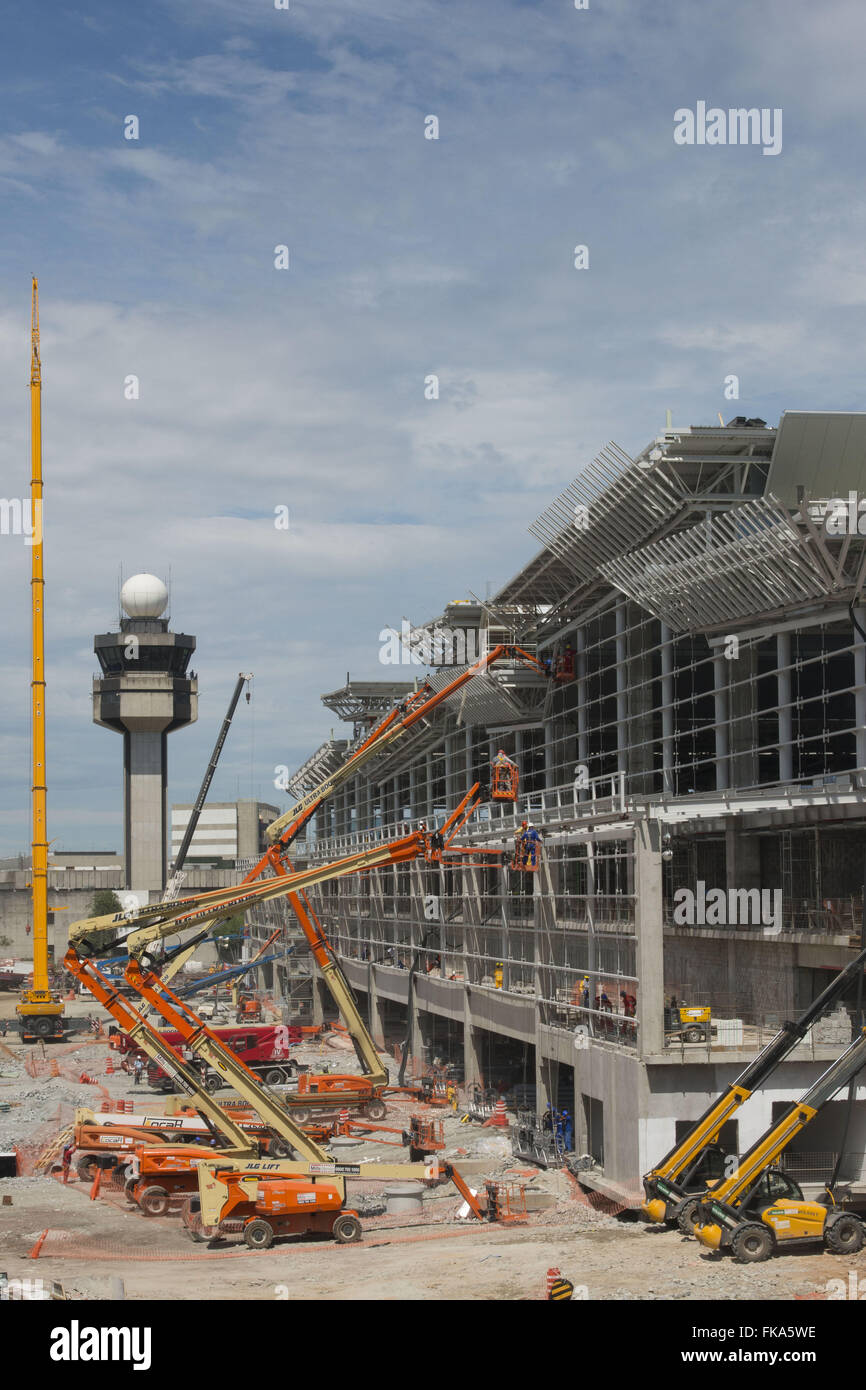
504 783
563 666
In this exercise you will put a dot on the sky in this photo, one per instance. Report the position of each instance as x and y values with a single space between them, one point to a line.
262 388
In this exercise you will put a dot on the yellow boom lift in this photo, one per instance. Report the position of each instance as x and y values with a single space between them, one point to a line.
675 1186
759 1210
40 1012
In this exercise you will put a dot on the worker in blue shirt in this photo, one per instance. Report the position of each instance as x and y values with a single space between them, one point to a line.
567 1132
531 842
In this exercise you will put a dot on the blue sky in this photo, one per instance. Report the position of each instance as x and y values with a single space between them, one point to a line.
304 388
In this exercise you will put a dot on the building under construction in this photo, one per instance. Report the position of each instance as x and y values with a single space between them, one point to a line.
694 758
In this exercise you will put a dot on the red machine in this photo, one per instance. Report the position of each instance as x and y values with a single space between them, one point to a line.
261 1046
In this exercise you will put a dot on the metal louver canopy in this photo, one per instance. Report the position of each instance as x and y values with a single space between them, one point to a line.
614 505
732 565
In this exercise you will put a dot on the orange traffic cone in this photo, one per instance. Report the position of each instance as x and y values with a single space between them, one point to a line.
498 1119
552 1276
109 1066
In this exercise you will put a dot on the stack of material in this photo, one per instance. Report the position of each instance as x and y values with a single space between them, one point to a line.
834 1029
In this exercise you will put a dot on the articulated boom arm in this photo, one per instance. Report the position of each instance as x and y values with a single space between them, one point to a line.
156 1047
94 935
338 985
419 706
765 1152
205 1044
706 1130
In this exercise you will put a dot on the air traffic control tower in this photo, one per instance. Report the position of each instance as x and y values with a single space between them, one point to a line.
144 693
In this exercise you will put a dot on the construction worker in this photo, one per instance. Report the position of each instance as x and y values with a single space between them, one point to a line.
502 759
520 846
451 1095
567 1130
66 1159
137 1070
531 843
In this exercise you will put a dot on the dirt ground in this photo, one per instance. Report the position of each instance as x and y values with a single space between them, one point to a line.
91 1245
105 1249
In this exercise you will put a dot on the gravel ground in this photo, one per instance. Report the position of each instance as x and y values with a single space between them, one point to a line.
91 1245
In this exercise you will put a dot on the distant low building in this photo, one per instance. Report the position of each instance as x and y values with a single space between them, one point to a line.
226 831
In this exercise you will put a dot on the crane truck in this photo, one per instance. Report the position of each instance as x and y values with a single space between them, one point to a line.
760 1210
674 1187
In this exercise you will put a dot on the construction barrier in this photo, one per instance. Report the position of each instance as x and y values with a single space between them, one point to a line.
499 1119
535 1145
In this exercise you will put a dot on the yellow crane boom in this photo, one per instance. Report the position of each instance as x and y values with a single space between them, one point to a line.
40 1013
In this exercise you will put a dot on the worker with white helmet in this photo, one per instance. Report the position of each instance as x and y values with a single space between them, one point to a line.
531 842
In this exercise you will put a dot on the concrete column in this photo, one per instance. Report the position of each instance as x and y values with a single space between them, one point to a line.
650 935
144 800
742 858
743 707
668 743
860 690
377 1014
621 689
467 762
720 715
549 773
428 788
319 996
543 1097
471 1052
638 732
449 771
786 713
582 736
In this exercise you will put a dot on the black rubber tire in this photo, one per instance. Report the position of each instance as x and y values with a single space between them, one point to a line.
301 1115
694 1035
42 1027
129 1190
687 1216
280 1148
374 1110
752 1243
346 1229
85 1167
845 1236
154 1201
212 1082
274 1076
258 1234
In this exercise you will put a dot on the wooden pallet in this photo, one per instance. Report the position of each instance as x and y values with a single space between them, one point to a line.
54 1150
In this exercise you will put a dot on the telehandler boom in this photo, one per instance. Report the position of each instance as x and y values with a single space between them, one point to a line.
758 1208
674 1187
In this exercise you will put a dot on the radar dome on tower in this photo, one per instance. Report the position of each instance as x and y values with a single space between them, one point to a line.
144 596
